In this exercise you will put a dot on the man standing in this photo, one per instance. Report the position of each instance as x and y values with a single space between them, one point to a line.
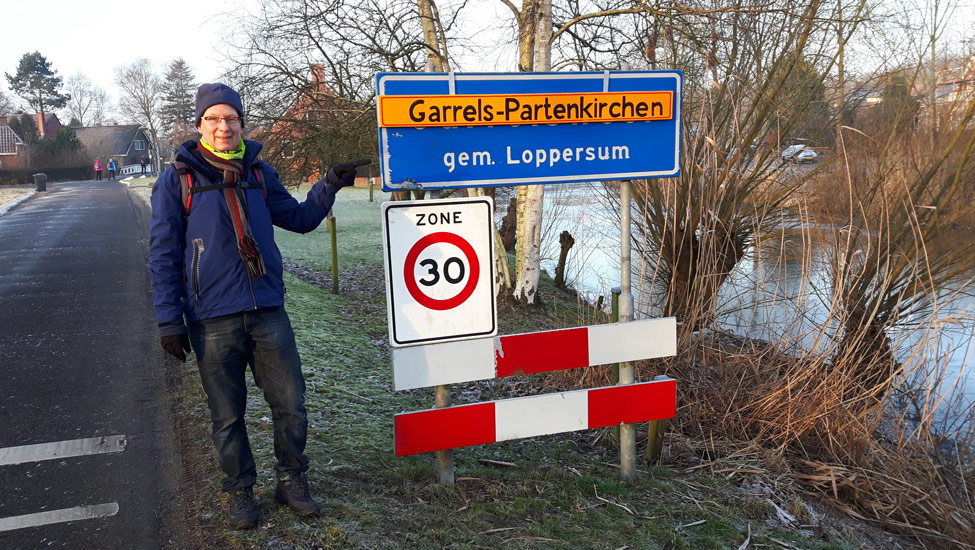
215 265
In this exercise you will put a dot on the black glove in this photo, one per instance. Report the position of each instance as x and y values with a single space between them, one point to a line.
343 174
176 345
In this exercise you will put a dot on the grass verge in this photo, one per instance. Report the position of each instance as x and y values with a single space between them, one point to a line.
560 491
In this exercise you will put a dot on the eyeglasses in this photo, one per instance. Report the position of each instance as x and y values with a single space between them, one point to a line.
230 120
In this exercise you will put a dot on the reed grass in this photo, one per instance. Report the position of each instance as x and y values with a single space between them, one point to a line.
854 391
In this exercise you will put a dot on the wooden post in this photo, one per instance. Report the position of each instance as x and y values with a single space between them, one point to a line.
655 440
335 256
445 458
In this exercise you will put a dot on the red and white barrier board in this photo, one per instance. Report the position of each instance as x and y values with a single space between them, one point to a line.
481 423
486 358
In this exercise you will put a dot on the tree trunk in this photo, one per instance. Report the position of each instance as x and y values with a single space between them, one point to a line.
502 271
528 247
841 80
537 20
508 224
565 241
692 297
526 36
866 360
435 54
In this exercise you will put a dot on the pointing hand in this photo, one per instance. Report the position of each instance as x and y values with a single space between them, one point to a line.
343 174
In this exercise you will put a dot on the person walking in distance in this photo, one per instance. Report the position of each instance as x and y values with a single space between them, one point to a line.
218 291
98 170
111 169
142 164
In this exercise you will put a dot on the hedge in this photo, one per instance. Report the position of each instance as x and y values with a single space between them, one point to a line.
26 175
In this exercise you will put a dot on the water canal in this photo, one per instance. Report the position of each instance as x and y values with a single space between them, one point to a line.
781 294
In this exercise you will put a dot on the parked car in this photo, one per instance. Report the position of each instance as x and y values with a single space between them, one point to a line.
799 153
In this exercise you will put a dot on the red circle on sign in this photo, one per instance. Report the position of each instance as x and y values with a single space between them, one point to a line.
410 265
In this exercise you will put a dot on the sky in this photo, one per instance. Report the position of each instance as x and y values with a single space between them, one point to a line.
96 36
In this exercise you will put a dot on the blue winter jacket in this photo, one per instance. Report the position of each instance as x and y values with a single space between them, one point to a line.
196 268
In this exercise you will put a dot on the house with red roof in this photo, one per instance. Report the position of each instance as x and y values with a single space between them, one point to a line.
13 150
308 137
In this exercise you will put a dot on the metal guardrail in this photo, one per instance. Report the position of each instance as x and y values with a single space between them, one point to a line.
130 169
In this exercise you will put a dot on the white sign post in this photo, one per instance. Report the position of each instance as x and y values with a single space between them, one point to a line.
439 259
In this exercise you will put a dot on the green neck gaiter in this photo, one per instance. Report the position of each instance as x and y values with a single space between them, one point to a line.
236 154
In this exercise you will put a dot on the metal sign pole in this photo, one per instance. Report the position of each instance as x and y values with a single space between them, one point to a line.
627 431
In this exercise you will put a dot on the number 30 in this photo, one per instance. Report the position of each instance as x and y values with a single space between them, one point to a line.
433 271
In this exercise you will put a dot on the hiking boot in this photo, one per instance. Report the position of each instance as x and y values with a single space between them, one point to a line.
243 509
293 491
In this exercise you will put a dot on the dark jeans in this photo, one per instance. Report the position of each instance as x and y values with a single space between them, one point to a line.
224 347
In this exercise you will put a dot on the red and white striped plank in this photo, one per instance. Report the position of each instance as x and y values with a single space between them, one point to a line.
486 358
481 423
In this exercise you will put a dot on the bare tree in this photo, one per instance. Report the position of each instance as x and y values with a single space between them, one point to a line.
306 70
587 35
538 31
88 101
141 94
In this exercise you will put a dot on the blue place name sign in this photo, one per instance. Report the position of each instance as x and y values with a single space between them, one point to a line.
450 130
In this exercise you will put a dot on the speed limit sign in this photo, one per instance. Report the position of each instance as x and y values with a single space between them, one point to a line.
439 270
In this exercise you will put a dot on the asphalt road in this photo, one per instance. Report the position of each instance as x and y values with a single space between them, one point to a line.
87 455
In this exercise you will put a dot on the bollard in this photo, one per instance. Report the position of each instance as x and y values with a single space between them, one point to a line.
40 182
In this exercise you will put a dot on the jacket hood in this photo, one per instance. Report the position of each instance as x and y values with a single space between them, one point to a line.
189 155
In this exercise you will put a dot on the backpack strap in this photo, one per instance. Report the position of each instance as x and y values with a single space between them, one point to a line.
188 187
258 170
185 184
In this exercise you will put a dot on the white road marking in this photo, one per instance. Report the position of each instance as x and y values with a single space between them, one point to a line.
58 516
62 449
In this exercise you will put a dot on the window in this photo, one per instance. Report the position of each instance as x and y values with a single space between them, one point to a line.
139 145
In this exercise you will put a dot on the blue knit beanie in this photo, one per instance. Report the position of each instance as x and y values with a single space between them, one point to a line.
214 94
